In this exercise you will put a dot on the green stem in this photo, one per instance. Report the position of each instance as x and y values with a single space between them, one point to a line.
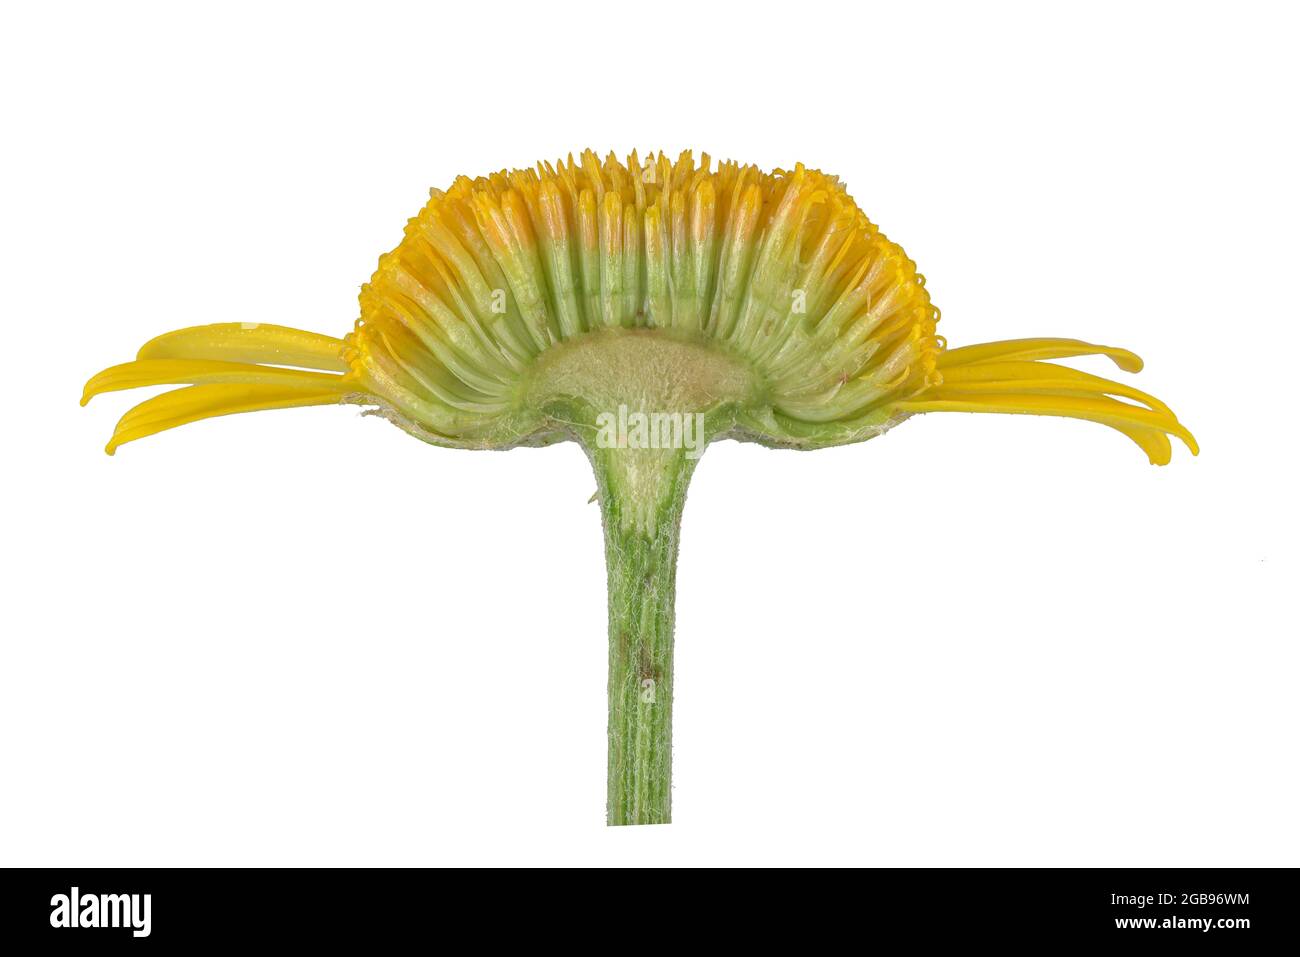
641 494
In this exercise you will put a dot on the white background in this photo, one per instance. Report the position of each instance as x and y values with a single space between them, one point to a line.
304 638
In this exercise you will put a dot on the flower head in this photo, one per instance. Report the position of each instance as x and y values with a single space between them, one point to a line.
521 304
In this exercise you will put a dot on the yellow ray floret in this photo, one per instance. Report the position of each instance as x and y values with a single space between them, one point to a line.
1008 349
183 406
231 367
147 372
249 342
1010 377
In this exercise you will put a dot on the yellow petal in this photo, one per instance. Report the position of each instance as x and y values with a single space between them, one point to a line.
249 342
1134 422
1036 349
147 372
183 406
1040 377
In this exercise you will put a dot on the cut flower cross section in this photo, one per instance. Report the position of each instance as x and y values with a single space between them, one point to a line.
642 310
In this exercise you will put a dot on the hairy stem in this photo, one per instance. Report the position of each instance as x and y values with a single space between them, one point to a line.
641 493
